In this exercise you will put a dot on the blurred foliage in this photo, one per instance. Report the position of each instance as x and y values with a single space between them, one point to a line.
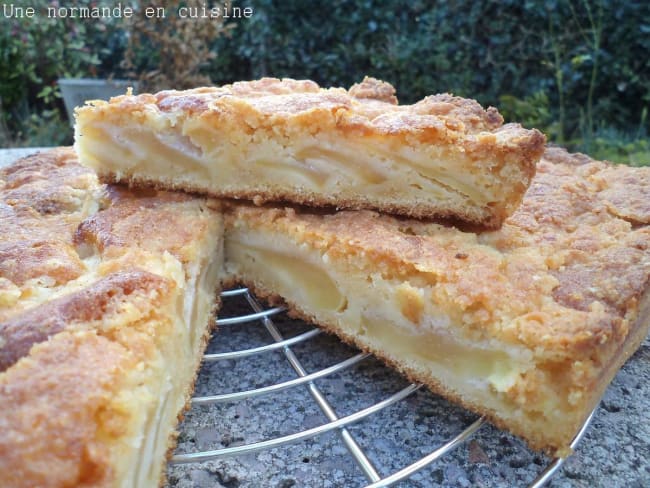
568 67
531 111
35 52
170 52
49 128
576 69
611 144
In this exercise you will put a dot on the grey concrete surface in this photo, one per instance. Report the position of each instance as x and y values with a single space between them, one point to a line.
615 451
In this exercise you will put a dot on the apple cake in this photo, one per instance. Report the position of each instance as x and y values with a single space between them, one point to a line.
272 140
106 296
526 324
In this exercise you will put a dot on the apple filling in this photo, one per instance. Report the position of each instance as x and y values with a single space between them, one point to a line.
340 169
369 312
165 383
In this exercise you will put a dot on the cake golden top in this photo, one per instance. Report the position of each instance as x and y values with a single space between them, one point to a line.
85 270
57 436
82 246
63 230
368 108
291 140
563 276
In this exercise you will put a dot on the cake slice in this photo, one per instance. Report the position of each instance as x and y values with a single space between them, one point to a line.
106 296
272 140
526 325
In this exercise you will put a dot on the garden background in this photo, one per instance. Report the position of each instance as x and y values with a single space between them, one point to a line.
579 70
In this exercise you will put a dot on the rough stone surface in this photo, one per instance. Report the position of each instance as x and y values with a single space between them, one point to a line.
615 451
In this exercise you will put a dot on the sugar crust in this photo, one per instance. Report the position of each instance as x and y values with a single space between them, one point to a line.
88 279
567 235
289 109
567 276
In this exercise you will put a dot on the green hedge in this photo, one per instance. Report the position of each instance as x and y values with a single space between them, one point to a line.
579 69
34 53
570 67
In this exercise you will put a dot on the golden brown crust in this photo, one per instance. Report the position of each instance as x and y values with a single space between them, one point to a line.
91 278
374 89
490 163
566 278
591 262
47 183
156 221
25 260
42 200
356 108
51 402
99 301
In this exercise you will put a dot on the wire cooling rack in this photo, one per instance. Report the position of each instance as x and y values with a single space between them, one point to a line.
208 436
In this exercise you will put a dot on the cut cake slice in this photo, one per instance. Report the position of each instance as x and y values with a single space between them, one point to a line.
106 296
527 324
273 140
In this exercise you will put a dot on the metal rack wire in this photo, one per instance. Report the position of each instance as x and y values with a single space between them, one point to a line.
334 422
